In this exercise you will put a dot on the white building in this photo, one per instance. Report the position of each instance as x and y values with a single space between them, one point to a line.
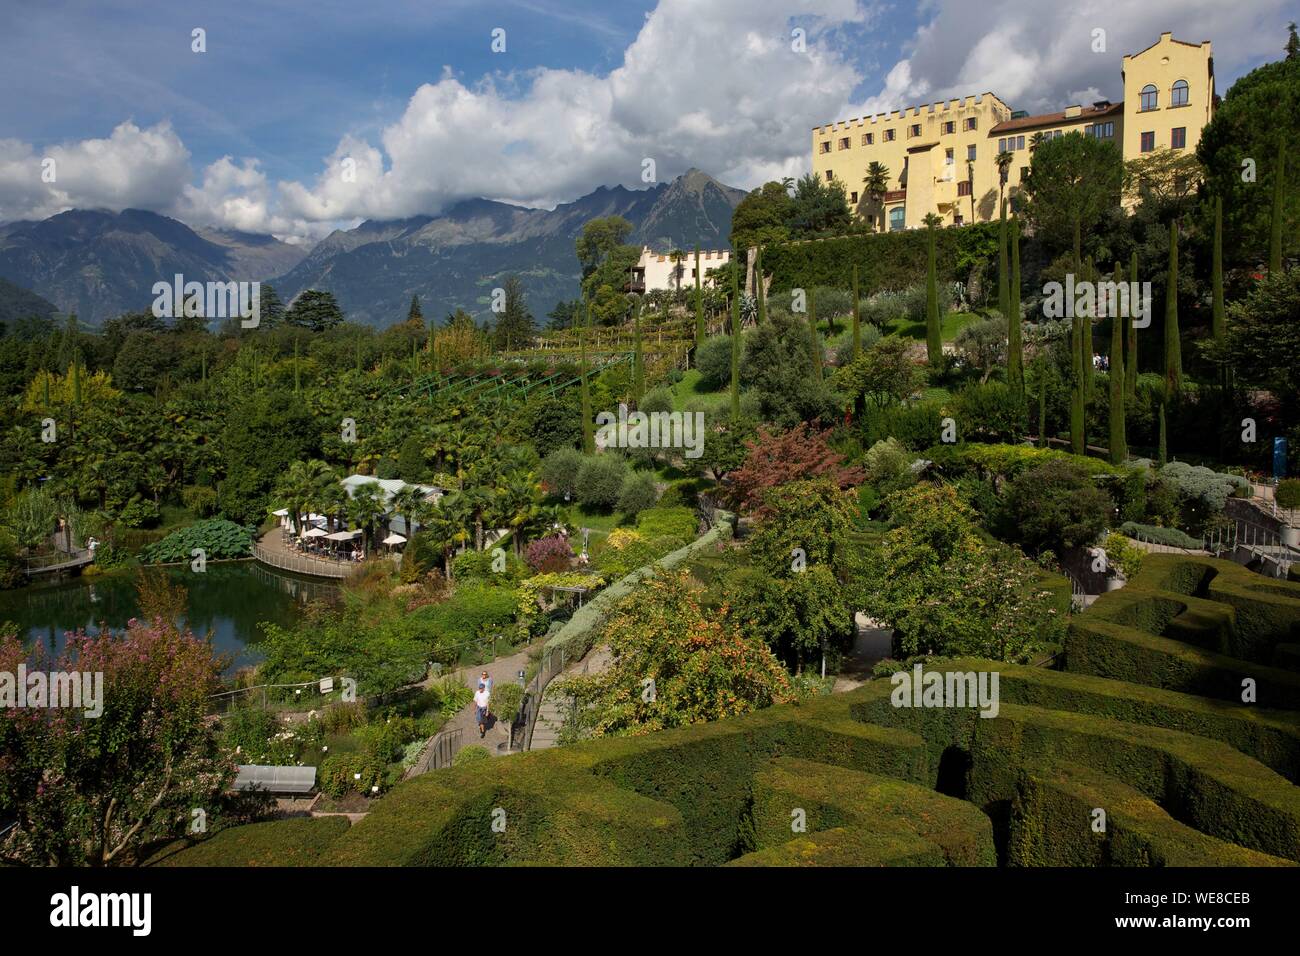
657 270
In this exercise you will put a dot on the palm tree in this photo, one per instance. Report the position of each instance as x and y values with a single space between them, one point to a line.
520 500
1035 141
1004 162
405 504
970 178
877 184
364 509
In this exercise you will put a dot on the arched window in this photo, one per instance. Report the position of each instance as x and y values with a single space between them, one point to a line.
1178 95
1150 97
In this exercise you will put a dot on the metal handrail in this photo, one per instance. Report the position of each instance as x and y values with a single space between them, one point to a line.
303 564
553 664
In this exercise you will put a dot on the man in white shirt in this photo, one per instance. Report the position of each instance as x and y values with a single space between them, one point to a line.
481 700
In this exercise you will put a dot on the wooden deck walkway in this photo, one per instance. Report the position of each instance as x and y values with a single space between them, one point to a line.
72 560
271 551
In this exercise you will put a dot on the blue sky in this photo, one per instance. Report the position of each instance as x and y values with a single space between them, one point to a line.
255 132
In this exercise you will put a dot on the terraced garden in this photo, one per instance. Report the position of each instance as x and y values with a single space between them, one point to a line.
1145 722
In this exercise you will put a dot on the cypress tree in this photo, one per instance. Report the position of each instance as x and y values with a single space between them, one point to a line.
857 319
1004 283
699 308
638 356
588 436
1275 226
812 328
1089 380
1131 357
933 336
1162 453
1015 348
414 311
758 286
735 341
1173 341
1118 439
1219 317
1077 443
1042 408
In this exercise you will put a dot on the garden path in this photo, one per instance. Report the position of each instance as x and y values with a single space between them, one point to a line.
503 670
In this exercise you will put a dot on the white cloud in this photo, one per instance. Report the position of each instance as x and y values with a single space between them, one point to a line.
132 168
1041 58
713 85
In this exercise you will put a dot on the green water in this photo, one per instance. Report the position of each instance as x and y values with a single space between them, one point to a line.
228 600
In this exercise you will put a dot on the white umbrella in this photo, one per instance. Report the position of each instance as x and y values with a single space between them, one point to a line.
282 513
394 538
342 535
315 533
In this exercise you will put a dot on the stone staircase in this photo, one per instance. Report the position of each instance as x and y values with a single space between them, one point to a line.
555 706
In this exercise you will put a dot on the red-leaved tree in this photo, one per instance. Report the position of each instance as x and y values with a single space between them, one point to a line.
776 459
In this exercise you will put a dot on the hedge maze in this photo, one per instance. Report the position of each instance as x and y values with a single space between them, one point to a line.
1144 749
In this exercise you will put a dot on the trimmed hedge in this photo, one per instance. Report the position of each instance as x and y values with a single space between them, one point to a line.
1185 780
298 841
721 792
1199 625
889 821
1052 819
891 260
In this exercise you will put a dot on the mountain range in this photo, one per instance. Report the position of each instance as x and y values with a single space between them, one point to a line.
101 264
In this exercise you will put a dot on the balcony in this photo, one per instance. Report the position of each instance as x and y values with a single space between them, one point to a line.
896 195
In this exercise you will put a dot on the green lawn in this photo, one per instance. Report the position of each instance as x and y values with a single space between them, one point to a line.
690 395
951 324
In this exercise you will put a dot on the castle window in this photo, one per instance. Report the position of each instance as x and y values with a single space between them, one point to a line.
963 188
1178 137
950 126
1148 142
830 174
844 142
915 130
853 197
947 157
868 139
1178 95
826 147
970 153
889 135
1150 98
1020 142
970 122
897 217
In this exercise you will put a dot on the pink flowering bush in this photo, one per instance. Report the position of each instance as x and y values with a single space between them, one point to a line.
105 790
549 554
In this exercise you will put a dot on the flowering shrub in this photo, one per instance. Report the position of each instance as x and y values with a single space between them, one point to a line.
127 777
549 554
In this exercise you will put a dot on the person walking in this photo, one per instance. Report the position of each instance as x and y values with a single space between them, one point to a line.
486 681
482 699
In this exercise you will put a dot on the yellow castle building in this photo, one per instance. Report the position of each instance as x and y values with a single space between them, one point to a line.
942 157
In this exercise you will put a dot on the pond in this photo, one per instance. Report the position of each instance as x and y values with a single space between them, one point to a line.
229 600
